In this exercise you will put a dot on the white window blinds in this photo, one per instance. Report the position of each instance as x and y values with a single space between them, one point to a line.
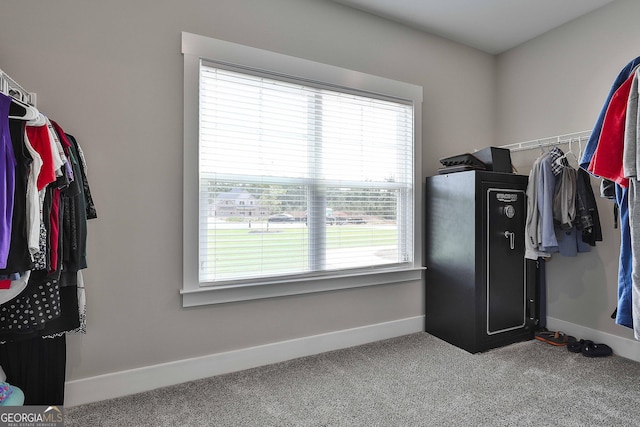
298 179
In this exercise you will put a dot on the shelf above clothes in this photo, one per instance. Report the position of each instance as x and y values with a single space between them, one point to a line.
552 141
10 87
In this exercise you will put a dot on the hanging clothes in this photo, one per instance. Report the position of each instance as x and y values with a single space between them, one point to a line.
565 207
587 216
45 202
561 212
546 190
532 224
564 198
611 161
19 259
53 282
540 239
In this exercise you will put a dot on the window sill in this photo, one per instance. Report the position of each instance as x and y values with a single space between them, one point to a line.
253 291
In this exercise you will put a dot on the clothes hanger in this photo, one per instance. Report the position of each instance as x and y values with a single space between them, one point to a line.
580 149
40 120
559 160
22 111
570 151
573 154
18 109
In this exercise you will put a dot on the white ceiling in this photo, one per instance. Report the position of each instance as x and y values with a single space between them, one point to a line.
493 26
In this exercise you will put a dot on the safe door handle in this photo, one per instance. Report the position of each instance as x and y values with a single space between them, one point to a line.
512 239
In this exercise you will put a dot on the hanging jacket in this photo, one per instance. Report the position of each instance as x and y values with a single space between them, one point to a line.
587 217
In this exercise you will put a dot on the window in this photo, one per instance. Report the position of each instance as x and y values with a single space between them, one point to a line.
298 176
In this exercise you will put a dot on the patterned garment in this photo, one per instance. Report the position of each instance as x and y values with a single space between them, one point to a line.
40 258
556 166
31 310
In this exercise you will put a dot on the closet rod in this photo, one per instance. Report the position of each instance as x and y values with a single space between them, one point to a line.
10 87
549 141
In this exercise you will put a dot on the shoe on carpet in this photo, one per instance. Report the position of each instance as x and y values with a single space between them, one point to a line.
590 349
557 338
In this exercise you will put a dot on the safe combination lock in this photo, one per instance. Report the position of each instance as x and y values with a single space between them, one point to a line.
509 211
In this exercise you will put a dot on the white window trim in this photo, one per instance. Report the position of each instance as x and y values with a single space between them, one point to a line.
195 48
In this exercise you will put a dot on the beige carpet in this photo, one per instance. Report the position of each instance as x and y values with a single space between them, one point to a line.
415 380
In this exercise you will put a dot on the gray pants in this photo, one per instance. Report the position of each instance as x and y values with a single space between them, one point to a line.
634 225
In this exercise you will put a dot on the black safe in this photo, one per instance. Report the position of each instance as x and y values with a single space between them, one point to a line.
480 291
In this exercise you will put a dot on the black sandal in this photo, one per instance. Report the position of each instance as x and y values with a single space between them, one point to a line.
590 349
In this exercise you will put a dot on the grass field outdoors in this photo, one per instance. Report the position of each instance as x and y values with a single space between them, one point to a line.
284 248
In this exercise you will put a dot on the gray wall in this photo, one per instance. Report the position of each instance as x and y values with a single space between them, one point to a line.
557 84
111 74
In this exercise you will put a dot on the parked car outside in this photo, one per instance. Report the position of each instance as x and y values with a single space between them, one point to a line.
281 218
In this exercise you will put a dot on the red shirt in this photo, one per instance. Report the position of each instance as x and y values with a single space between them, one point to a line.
39 139
607 158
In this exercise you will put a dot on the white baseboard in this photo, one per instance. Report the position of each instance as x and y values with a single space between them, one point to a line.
117 384
625 347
